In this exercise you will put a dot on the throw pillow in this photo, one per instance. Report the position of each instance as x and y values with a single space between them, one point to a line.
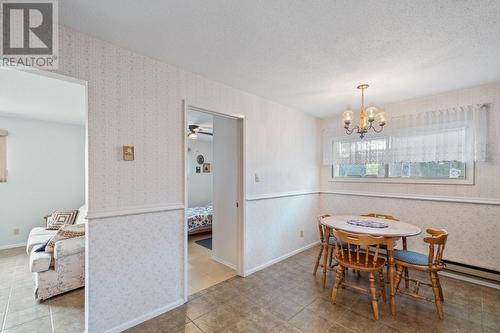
60 218
65 232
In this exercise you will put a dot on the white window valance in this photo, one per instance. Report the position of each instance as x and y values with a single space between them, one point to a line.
455 134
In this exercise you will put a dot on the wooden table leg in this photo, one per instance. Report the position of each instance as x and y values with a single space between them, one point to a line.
325 254
390 256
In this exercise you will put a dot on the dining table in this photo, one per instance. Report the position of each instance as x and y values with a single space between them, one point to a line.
391 231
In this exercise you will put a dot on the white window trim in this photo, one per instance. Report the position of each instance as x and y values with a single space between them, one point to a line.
468 180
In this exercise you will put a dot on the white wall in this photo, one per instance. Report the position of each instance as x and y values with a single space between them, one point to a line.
473 224
274 226
199 184
139 101
46 172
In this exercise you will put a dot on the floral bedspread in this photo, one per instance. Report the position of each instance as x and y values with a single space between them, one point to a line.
199 218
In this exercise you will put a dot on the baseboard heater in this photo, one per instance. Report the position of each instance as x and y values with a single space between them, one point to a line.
479 272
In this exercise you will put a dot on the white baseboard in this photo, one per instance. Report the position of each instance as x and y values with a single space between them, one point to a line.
5 247
276 260
225 263
147 316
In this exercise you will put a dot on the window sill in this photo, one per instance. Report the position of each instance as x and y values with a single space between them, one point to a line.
404 181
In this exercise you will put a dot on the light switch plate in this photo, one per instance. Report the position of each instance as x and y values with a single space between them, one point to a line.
128 153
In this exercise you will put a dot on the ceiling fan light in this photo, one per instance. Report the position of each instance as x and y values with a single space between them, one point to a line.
193 136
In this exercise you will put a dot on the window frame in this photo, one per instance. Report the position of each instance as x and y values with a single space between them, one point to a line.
469 178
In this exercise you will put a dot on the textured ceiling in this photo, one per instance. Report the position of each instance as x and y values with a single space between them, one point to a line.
27 95
309 55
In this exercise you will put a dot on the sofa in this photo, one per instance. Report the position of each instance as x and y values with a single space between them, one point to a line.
64 269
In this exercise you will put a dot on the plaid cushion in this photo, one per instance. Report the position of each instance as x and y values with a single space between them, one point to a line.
65 232
60 218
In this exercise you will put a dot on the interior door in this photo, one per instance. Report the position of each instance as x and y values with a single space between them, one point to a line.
226 189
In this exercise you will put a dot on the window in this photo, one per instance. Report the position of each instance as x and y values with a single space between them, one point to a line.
3 156
439 146
352 155
435 170
403 170
360 170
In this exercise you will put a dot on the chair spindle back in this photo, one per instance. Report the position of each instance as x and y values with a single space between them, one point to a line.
437 242
357 249
321 227
381 216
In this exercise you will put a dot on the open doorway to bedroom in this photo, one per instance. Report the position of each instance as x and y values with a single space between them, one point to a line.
43 186
214 187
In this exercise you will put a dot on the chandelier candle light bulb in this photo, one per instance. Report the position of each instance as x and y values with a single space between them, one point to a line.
371 112
381 118
348 116
366 117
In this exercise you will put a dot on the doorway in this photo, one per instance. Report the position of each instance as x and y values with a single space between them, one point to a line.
43 195
213 146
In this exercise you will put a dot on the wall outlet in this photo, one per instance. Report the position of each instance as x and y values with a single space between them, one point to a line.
301 233
16 231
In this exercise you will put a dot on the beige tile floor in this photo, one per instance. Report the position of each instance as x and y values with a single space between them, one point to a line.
20 313
203 272
287 298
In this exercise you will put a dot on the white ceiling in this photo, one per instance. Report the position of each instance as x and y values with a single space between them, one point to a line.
27 95
309 55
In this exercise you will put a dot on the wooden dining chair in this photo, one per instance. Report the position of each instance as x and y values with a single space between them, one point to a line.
327 244
431 263
361 253
403 239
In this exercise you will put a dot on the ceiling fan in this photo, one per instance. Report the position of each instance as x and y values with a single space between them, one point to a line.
194 130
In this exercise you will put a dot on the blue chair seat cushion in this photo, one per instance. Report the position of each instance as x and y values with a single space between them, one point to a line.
411 257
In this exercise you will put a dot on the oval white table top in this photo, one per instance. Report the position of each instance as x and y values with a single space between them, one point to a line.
395 228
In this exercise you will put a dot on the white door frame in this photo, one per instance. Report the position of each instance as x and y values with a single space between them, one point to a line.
85 84
241 200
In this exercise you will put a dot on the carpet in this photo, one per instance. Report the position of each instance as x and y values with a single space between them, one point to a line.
207 242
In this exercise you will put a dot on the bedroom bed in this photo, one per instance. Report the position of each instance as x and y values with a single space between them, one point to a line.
199 219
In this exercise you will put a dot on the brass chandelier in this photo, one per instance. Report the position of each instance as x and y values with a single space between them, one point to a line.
367 117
